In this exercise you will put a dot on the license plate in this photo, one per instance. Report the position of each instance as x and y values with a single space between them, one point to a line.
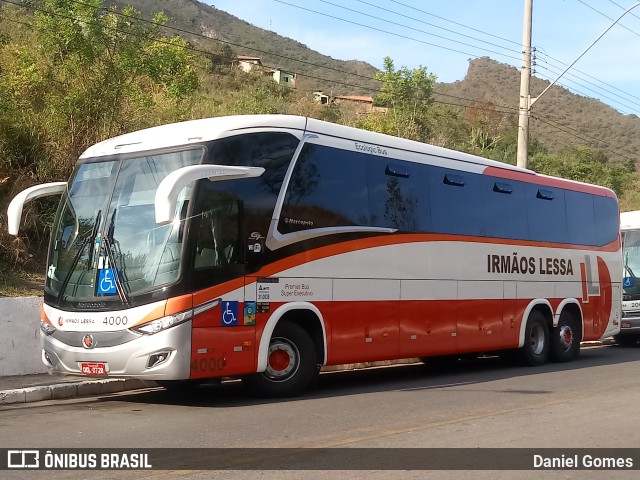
93 368
625 325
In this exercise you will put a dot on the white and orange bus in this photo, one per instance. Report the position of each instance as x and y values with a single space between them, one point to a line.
266 246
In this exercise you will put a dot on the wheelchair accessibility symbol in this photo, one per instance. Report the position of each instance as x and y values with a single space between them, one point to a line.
627 282
106 282
229 314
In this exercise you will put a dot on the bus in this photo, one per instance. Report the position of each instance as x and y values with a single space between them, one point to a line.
630 322
265 247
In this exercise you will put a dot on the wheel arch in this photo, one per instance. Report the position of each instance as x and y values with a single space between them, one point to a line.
540 304
304 314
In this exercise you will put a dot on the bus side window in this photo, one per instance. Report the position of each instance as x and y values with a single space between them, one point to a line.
205 243
217 240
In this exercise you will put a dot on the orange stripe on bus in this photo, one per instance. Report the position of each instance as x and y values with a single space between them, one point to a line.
217 291
178 304
398 239
156 313
43 315
299 259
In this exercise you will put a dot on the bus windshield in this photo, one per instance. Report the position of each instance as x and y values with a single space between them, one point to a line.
105 242
631 258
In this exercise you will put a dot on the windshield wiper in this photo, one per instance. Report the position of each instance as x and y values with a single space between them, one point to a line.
94 234
110 246
74 263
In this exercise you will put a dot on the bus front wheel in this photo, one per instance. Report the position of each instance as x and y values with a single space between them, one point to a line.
291 364
535 350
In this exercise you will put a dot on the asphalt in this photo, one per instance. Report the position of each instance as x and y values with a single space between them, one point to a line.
41 387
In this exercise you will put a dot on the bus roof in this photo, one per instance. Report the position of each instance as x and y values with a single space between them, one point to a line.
203 130
196 131
189 132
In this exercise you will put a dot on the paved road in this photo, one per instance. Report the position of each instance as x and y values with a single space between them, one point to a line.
590 403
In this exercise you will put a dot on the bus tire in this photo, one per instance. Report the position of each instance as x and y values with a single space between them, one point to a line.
291 364
565 339
535 350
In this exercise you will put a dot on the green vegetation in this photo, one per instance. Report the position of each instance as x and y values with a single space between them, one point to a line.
74 73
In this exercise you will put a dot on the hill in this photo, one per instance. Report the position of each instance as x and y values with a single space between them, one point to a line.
559 120
213 28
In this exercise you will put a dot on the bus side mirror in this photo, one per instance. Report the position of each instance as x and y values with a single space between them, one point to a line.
170 187
14 212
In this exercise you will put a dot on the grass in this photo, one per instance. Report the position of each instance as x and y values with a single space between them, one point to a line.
20 283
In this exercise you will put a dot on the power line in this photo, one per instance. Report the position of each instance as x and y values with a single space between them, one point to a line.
455 23
626 94
623 8
425 23
396 34
285 57
555 71
607 16
578 134
510 110
189 47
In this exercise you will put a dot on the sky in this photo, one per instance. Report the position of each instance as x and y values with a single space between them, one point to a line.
443 35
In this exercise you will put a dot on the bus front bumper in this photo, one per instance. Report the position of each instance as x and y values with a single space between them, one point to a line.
161 356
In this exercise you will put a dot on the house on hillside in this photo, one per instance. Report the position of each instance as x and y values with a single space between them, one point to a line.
360 103
247 64
284 78
250 64
321 98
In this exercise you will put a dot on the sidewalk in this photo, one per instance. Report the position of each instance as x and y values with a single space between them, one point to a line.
39 387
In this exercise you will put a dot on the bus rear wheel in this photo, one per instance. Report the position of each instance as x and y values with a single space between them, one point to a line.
291 364
565 339
535 350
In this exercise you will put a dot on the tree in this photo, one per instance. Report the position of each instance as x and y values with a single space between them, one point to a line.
585 165
78 74
407 94
90 73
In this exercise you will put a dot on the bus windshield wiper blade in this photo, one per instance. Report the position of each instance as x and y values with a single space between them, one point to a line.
76 259
94 233
110 245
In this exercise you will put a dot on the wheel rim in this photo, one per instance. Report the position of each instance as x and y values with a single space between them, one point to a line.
536 339
283 360
566 337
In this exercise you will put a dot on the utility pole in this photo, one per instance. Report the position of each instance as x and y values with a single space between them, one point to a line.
525 78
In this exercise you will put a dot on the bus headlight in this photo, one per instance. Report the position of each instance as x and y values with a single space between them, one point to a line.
163 323
46 328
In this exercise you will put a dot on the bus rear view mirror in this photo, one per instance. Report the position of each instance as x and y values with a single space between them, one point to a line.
14 212
169 189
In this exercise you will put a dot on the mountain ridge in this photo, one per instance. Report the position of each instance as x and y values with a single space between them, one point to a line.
560 119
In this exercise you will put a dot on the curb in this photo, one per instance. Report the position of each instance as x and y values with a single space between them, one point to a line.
73 389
